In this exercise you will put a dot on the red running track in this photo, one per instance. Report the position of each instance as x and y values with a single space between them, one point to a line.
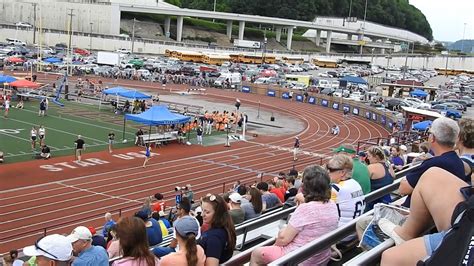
59 201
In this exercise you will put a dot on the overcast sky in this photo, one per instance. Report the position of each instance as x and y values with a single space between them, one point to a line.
447 18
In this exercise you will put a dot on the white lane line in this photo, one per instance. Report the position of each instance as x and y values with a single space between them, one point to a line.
99 193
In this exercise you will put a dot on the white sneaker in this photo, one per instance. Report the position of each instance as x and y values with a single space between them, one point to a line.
388 228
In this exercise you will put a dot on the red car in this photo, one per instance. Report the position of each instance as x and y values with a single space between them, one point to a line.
82 52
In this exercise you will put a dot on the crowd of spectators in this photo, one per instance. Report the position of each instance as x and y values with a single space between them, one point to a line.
326 197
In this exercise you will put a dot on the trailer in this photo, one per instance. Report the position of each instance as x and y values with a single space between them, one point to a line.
247 44
108 58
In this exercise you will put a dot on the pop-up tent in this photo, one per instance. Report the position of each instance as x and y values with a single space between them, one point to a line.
6 79
125 93
158 115
422 126
23 83
155 116
354 80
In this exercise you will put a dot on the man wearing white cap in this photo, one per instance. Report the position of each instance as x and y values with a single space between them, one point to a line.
235 211
87 254
53 250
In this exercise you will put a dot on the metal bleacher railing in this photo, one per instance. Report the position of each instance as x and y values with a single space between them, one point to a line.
325 241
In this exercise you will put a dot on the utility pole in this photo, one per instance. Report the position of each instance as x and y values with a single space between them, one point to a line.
133 34
34 21
90 37
463 35
363 28
70 41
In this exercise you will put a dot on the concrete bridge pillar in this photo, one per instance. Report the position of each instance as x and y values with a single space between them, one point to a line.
349 36
318 37
328 41
278 34
289 37
179 28
167 26
241 29
229 29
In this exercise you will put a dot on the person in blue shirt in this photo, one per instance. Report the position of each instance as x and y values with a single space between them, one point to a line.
86 254
443 135
395 159
153 229
109 222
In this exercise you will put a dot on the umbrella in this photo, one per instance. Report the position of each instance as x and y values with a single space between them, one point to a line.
6 79
422 126
418 93
52 60
15 60
24 84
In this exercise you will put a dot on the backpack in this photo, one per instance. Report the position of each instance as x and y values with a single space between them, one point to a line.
457 245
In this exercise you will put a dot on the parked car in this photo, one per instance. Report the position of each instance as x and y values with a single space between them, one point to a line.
23 24
82 52
15 42
468 100
123 51
417 103
445 110
458 101
394 103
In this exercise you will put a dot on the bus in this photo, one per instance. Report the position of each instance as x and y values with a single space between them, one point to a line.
189 56
256 59
293 60
325 63
215 59
354 62
302 79
168 53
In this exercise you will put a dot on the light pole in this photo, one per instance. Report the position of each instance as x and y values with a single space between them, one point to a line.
214 9
463 35
264 46
133 34
90 39
34 21
363 28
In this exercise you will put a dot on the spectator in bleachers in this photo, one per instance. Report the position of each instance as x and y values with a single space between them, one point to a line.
11 259
291 191
433 201
360 171
188 193
316 216
254 207
133 243
235 211
276 187
97 240
444 133
109 222
269 200
362 155
153 230
50 250
189 253
465 145
160 204
113 243
85 252
381 173
298 180
219 241
345 191
395 159
198 215
403 153
162 217
424 152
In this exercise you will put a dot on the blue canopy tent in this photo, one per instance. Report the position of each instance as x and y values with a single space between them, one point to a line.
418 93
6 79
155 116
126 93
355 80
422 126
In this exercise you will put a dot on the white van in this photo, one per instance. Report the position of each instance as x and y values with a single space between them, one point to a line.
15 42
235 79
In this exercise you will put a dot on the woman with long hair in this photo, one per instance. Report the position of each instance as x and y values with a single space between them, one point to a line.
219 240
381 173
134 243
254 207
189 253
316 216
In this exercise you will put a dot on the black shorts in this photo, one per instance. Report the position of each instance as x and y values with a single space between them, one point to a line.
41 136
33 138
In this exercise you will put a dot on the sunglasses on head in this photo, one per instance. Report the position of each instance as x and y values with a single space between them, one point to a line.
39 248
331 170
211 196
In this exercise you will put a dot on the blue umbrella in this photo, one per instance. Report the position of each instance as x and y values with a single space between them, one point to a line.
6 79
422 126
52 60
418 93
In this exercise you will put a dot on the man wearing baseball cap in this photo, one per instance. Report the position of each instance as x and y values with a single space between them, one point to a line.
235 211
87 254
54 250
360 172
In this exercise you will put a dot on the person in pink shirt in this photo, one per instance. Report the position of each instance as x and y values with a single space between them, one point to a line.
311 219
134 243
189 253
